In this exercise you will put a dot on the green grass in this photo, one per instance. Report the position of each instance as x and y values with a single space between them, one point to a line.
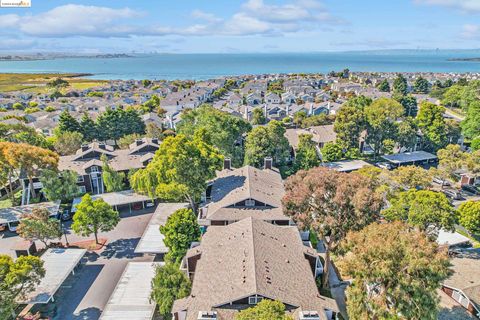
475 239
36 83
5 204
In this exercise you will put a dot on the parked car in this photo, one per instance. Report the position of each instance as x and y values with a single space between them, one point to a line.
441 181
454 195
384 165
470 189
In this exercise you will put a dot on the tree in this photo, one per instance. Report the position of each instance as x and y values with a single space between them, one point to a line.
421 85
381 117
409 104
30 159
432 124
113 180
93 216
118 123
180 231
350 122
39 226
471 124
125 141
20 133
264 310
395 278
306 156
407 133
17 279
267 141
400 85
429 211
168 285
453 130
88 128
68 142
331 203
451 159
299 117
332 152
411 177
258 117
384 86
59 185
154 131
151 104
67 123
179 170
469 216
475 145
221 130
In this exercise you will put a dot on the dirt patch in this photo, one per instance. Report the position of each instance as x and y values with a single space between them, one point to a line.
90 244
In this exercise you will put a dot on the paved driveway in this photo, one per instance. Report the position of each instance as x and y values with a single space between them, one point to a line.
85 294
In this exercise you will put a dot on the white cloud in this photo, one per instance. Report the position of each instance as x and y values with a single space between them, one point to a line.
467 6
471 31
254 17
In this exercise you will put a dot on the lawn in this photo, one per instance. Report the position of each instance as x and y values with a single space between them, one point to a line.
36 83
475 238
5 204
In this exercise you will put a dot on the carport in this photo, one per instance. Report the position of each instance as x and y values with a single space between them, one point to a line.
120 200
410 158
152 240
10 217
58 264
131 298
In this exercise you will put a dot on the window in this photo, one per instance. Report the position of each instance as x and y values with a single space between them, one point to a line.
249 202
94 169
80 179
82 189
254 299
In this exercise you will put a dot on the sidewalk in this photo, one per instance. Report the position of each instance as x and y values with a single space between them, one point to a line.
337 287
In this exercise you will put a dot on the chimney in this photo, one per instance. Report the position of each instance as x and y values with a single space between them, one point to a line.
268 163
311 109
138 142
227 163
155 140
84 147
102 146
265 110
287 110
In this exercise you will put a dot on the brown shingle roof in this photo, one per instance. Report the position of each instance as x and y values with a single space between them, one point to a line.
466 277
252 257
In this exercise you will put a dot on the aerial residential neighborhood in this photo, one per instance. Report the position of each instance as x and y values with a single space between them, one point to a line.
239 160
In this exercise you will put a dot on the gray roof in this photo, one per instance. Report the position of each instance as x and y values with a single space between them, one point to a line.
118 198
466 277
233 186
58 264
14 214
131 298
252 257
320 134
407 157
152 239
346 165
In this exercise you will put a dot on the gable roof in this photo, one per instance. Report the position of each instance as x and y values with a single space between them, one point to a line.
232 186
465 276
252 257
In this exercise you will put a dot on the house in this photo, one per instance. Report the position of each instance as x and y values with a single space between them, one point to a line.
237 266
234 99
87 164
464 285
321 135
254 99
288 98
244 192
272 98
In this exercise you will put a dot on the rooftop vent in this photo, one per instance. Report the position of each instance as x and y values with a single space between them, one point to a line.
207 315
227 163
268 163
138 142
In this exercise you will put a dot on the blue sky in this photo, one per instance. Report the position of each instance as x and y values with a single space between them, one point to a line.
202 26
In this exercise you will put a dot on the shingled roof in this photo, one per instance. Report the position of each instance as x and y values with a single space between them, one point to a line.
466 277
252 257
233 186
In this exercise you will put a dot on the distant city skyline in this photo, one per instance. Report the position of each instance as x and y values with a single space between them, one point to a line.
243 26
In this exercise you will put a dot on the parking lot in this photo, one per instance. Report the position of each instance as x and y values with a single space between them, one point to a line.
83 295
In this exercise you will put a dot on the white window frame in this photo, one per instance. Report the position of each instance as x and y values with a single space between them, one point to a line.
82 189
94 169
254 299
80 179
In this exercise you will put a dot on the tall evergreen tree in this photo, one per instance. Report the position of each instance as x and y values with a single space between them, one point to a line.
88 128
400 85
67 123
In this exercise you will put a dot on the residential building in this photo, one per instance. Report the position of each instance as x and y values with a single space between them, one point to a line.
238 265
